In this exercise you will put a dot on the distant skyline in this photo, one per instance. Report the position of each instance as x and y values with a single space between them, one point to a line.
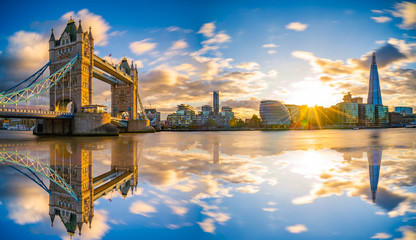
297 52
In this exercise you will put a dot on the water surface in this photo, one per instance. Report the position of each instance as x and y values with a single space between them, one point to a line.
328 184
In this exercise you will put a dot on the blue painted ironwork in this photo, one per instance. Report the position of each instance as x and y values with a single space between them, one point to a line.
25 94
34 164
38 181
39 73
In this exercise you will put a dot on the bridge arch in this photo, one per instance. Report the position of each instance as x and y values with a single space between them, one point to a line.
65 105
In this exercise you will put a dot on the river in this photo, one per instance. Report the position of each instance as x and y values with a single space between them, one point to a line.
324 184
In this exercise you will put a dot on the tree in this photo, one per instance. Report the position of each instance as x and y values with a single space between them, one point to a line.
211 123
254 121
236 123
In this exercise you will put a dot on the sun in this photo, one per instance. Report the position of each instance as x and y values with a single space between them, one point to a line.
313 93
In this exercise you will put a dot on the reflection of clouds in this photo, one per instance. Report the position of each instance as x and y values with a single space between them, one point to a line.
29 206
142 208
26 202
409 233
335 176
381 236
98 229
297 228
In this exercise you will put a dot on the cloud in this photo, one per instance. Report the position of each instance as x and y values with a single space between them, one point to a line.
207 225
381 236
207 29
248 65
269 45
248 189
380 42
270 209
271 52
381 19
220 37
297 26
181 211
376 11
297 228
180 44
406 11
141 208
140 47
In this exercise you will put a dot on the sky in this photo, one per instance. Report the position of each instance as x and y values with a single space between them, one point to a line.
297 52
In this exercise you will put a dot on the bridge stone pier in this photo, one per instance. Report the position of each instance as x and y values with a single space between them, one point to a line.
74 92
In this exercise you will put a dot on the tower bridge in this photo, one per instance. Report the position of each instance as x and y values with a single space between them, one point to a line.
72 187
69 88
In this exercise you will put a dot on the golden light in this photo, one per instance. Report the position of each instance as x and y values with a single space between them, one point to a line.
312 93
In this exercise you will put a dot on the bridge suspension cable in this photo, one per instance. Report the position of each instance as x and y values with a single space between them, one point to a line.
38 73
34 164
33 91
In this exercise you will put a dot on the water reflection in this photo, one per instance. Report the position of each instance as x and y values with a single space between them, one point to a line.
227 184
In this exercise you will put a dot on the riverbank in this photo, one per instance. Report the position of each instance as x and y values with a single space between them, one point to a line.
269 129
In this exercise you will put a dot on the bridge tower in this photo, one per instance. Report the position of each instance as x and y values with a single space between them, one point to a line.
73 163
76 86
124 96
124 158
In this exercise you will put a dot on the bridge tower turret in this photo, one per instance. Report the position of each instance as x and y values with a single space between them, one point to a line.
76 86
124 96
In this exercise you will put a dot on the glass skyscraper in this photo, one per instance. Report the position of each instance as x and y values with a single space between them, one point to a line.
216 102
374 93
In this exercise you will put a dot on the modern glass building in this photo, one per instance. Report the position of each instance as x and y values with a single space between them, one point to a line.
366 114
274 113
404 110
374 92
216 102
347 113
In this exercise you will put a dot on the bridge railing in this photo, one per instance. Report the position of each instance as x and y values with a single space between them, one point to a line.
35 112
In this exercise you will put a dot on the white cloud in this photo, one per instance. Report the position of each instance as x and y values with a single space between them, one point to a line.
297 228
407 11
269 45
380 41
140 47
142 208
179 210
271 203
377 11
270 209
29 48
221 37
180 44
207 225
381 236
248 65
381 19
207 29
297 26
172 28
248 189
271 52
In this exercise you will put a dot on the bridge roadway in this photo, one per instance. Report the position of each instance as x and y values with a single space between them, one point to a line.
109 186
32 113
110 69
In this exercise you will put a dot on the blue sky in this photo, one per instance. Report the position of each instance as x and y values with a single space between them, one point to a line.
301 52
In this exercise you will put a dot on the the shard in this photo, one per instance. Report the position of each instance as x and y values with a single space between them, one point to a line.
374 162
374 93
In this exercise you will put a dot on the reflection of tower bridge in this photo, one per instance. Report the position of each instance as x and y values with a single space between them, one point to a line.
72 188
69 88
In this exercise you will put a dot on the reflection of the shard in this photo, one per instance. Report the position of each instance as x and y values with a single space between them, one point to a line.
73 162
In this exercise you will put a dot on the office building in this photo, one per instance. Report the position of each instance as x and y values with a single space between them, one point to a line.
216 102
273 112
404 111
